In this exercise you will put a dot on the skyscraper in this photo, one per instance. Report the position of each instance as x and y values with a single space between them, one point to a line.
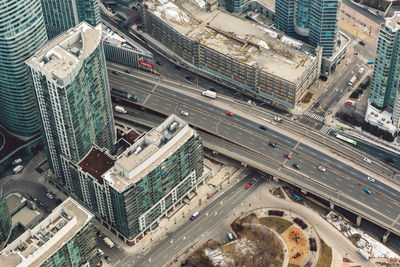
62 15
385 79
131 192
22 33
66 237
313 21
72 91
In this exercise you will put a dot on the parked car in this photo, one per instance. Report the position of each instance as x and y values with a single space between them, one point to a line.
107 258
248 185
361 42
50 195
296 166
230 236
184 113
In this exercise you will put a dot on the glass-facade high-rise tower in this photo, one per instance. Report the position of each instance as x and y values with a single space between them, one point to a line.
313 21
61 15
386 76
22 33
72 91
233 5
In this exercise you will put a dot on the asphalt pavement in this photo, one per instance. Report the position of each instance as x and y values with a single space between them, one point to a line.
205 115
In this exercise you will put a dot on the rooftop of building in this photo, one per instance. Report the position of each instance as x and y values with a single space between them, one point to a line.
14 201
380 118
258 46
113 38
270 4
96 163
393 22
36 245
130 136
60 58
148 152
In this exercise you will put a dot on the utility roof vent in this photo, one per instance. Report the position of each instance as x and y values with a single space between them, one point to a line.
75 51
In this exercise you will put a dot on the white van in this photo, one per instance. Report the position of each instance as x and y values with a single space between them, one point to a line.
18 169
16 161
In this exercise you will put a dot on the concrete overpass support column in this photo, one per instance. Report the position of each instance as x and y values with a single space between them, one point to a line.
331 205
358 221
385 237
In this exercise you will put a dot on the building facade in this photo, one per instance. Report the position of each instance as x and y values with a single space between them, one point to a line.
5 221
22 33
72 91
62 15
234 5
313 21
252 59
132 191
118 49
66 237
385 93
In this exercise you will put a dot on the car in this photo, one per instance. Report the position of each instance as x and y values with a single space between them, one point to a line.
361 42
295 256
286 155
296 166
321 168
17 161
230 114
114 72
370 62
367 160
127 71
40 203
159 63
272 144
263 127
367 191
230 236
178 67
248 185
278 119
372 180
389 160
184 113
189 78
107 258
50 195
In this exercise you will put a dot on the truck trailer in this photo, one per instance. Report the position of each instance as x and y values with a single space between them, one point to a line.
210 94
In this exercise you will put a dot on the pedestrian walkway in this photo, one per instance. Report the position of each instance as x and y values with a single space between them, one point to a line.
325 130
314 116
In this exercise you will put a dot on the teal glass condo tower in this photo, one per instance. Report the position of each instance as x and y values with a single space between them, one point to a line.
234 5
22 33
62 15
313 21
72 91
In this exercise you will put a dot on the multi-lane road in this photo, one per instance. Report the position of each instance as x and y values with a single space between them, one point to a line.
192 231
340 181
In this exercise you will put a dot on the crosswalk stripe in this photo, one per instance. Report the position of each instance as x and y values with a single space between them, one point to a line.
314 116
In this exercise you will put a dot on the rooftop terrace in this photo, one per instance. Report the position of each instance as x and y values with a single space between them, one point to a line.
60 58
257 46
148 152
36 245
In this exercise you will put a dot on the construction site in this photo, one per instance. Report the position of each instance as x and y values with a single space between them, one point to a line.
261 61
